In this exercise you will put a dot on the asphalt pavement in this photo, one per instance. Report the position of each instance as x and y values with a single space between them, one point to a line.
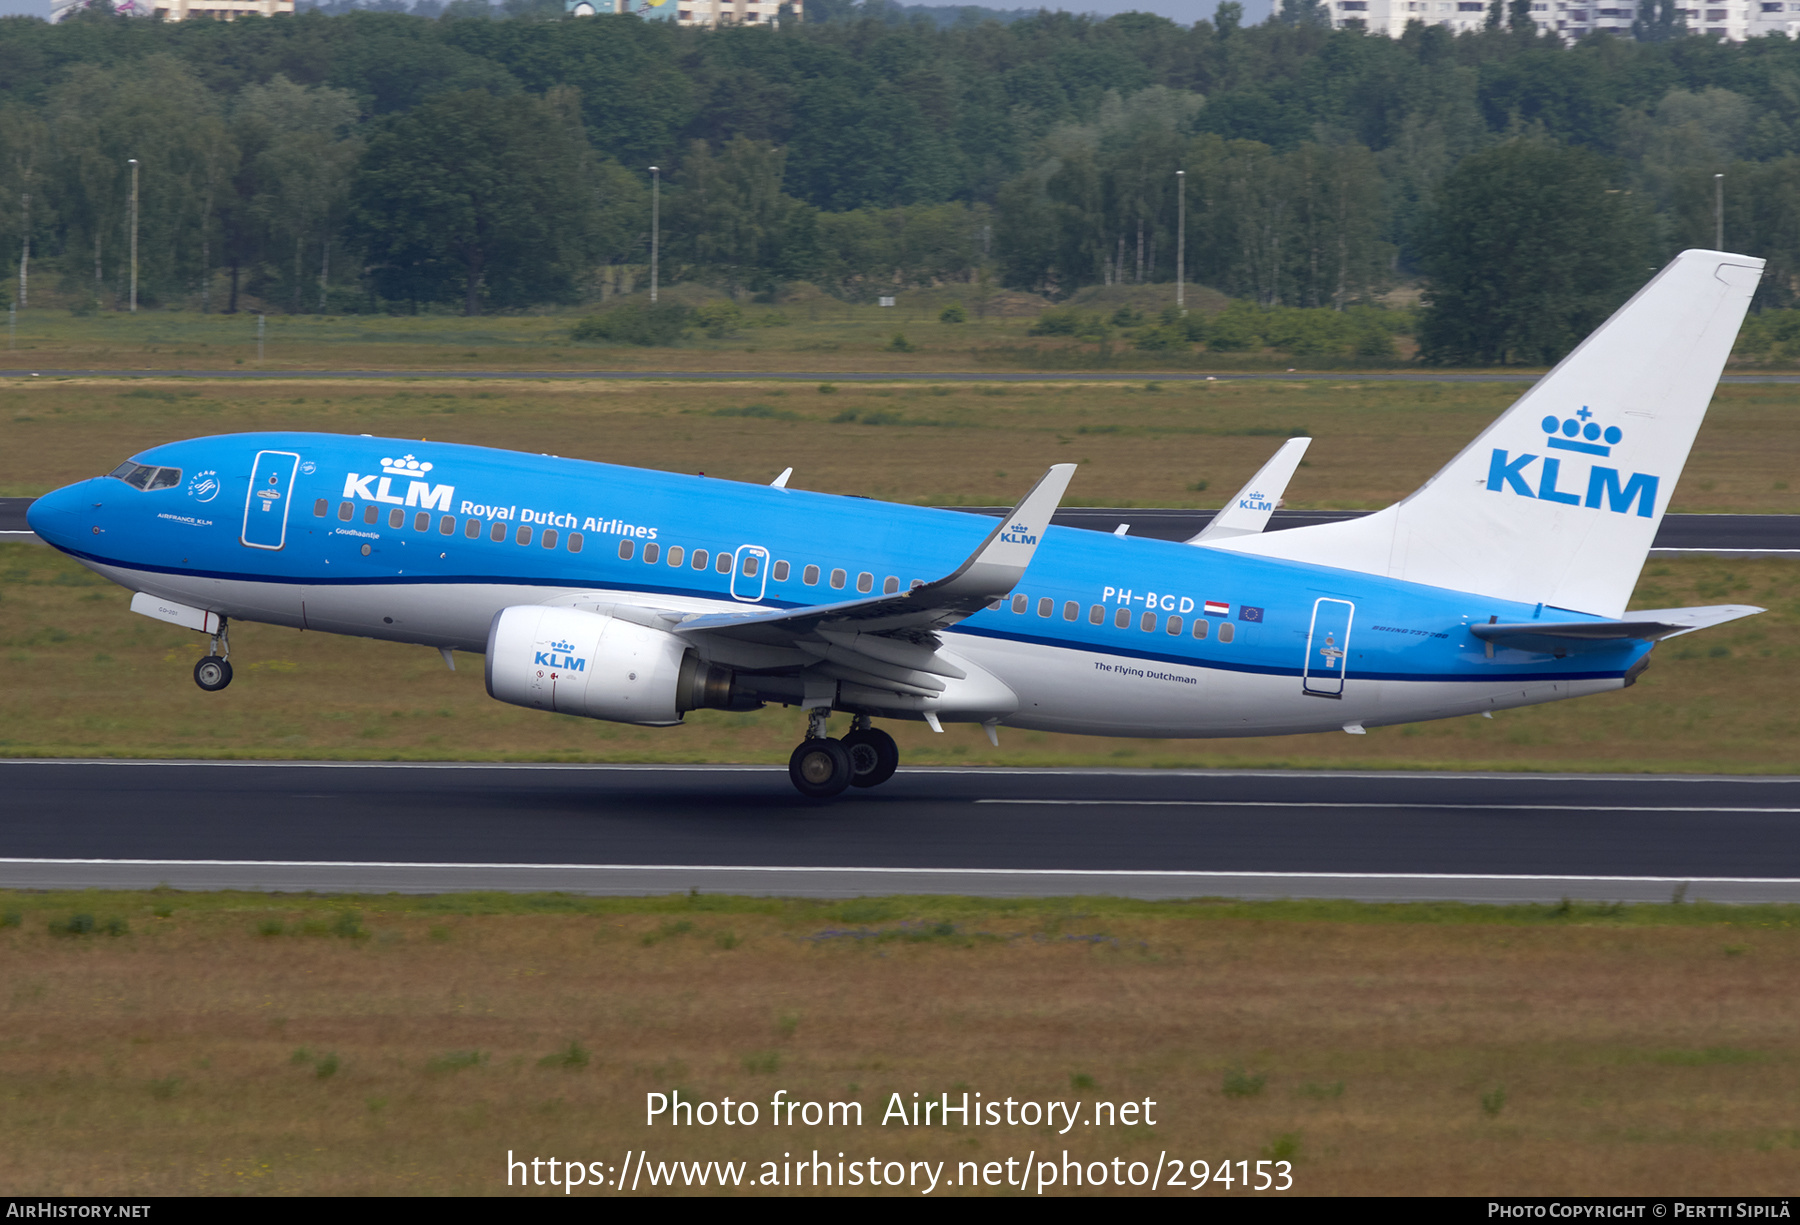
377 827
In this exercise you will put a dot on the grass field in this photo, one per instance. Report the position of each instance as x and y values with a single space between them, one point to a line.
242 1044
83 676
820 333
1140 444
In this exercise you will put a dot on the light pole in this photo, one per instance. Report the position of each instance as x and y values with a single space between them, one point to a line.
134 229
1181 241
655 225
1718 212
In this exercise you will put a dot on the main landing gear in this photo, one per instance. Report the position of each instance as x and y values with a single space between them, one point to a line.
821 767
213 672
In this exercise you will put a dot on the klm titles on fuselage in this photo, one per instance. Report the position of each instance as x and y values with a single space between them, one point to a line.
422 494
1604 486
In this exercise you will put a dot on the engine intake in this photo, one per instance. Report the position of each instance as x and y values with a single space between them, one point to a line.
600 667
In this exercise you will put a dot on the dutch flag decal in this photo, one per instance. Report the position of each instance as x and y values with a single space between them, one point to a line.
1215 609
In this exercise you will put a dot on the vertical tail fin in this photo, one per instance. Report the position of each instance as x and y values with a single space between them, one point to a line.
1559 499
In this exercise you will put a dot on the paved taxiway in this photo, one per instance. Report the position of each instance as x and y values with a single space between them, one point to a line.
379 827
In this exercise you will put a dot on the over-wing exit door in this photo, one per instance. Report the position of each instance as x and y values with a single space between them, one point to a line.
266 505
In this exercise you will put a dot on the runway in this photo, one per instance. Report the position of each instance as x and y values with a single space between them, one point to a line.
428 828
1677 535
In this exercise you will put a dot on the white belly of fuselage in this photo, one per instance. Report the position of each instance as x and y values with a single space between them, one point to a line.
1074 690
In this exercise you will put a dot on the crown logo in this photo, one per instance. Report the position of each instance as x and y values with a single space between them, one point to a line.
1578 433
406 465
567 648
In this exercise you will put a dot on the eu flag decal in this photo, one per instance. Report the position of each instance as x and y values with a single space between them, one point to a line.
1247 613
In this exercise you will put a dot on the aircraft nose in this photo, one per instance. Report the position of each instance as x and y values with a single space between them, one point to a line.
55 516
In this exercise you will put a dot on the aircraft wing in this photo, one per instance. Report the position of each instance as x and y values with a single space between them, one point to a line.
989 573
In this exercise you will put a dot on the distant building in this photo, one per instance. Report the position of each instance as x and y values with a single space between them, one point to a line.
695 12
1731 20
182 10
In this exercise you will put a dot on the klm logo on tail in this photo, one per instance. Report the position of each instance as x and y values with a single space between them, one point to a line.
1255 501
1605 488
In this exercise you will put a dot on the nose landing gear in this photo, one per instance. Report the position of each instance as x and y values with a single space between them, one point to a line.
213 672
821 767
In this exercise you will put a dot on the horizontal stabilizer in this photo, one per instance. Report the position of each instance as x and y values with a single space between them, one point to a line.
1567 637
1248 512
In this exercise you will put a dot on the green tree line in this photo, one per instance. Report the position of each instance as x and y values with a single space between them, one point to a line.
370 160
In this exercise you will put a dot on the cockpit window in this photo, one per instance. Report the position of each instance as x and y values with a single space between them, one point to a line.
146 476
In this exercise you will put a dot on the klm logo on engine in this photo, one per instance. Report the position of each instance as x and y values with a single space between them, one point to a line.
561 655
1018 534
420 493
1605 487
1255 501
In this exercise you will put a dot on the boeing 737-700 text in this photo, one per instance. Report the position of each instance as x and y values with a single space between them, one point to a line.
632 595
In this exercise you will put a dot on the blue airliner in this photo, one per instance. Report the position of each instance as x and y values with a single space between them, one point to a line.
636 596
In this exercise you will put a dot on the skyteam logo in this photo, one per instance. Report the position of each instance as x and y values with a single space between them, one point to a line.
561 655
420 493
1018 533
205 486
1255 501
1584 436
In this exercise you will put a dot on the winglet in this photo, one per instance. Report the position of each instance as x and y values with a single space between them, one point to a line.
780 482
1248 512
995 568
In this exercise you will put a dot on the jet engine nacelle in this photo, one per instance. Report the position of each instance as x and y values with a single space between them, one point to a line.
598 666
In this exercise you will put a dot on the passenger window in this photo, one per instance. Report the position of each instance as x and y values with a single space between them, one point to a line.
676 553
1020 601
1226 631
1175 626
699 559
523 536
472 529
1071 610
421 521
549 538
865 582
750 565
396 517
626 549
319 508
723 563
1122 618
346 510
499 532
1046 606
810 576
370 512
890 585
446 526
1201 627
837 580
1148 622
574 542
781 572
994 605
651 553
1097 615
